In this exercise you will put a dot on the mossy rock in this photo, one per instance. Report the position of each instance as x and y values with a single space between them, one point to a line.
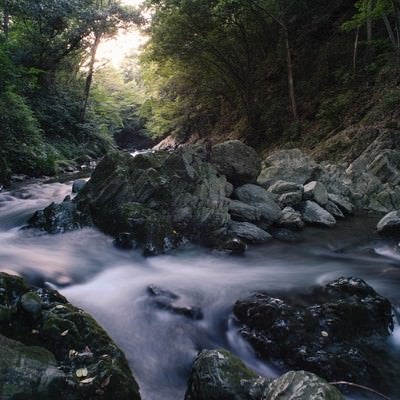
71 339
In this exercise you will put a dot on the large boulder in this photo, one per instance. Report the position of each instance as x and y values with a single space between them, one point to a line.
338 331
159 197
248 232
288 165
51 349
238 162
218 374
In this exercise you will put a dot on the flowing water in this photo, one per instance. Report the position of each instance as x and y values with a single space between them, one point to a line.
160 346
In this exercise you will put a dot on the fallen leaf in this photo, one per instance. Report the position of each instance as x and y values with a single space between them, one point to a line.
81 372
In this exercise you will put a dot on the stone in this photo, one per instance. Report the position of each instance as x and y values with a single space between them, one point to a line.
248 232
389 224
243 212
290 199
344 204
169 301
234 246
288 165
237 161
125 241
78 185
281 187
290 219
284 234
218 374
263 202
332 331
316 191
39 356
314 214
333 209
58 218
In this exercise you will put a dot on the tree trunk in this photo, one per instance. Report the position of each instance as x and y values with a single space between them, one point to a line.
390 31
355 51
369 23
292 94
6 18
89 78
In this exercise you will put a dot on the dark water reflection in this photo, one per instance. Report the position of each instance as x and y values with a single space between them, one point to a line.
111 284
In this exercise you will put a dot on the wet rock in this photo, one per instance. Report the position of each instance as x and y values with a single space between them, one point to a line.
288 165
338 331
169 301
234 246
314 214
248 232
78 185
40 357
290 219
238 162
58 218
389 224
333 209
317 192
290 199
345 206
125 241
218 374
285 235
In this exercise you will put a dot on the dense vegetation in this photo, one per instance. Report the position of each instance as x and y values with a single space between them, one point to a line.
271 71
267 71
47 61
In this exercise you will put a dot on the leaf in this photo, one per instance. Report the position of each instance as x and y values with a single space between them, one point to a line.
64 333
88 380
81 372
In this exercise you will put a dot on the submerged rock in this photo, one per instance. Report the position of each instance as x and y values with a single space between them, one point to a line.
218 374
50 349
338 331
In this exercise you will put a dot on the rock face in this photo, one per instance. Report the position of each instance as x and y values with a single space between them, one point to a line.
50 349
337 331
389 224
238 162
217 375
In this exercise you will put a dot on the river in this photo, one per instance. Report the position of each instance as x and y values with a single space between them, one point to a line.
160 346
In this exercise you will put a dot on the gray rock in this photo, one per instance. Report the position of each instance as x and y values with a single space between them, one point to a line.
317 192
263 202
288 165
290 219
314 214
238 162
248 232
229 188
234 246
390 223
344 204
240 211
281 187
218 374
78 185
290 199
301 385
333 209
31 303
253 194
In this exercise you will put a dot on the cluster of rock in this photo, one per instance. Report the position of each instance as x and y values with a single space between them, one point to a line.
338 331
51 349
160 199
